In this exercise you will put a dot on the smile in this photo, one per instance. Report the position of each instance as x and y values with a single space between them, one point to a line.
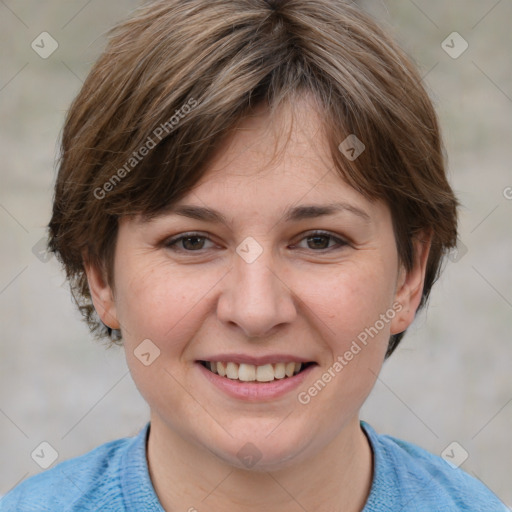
255 373
264 382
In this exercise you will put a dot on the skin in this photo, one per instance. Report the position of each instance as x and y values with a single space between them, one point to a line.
306 297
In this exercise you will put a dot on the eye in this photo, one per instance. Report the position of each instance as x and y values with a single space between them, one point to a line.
194 242
319 240
188 242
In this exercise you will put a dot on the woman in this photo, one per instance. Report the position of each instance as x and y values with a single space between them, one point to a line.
252 200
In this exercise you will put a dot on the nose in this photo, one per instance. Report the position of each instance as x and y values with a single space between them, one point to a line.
256 298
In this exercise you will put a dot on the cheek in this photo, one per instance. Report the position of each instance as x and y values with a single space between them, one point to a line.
160 302
351 298
354 313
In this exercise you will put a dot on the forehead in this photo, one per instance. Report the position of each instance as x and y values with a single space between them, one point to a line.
274 167
274 159
289 140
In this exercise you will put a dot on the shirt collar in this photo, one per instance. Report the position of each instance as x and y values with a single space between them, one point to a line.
138 491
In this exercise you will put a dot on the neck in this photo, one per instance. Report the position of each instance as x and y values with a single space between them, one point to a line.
188 477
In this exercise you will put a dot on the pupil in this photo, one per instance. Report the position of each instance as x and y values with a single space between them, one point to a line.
185 240
317 237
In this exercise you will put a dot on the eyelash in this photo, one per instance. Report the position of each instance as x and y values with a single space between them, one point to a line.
172 243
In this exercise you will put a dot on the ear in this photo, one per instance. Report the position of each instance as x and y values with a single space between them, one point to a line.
101 294
410 284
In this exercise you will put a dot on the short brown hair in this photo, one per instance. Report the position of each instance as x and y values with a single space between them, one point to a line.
221 58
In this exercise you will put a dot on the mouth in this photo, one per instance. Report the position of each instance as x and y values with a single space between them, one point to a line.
256 373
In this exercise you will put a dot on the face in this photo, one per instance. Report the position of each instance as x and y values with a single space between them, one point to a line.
272 282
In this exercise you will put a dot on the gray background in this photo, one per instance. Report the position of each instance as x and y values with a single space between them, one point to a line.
450 380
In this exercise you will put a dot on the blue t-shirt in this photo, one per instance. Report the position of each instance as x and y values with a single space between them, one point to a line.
114 478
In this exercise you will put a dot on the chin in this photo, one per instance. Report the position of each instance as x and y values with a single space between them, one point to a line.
262 454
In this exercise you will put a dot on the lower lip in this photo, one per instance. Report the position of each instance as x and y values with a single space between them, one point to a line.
256 391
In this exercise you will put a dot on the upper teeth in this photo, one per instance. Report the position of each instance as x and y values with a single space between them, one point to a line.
251 372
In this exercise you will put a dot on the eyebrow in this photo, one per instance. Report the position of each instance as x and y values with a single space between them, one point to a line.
291 214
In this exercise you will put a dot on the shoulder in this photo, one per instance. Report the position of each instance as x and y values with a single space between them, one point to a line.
81 483
419 481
